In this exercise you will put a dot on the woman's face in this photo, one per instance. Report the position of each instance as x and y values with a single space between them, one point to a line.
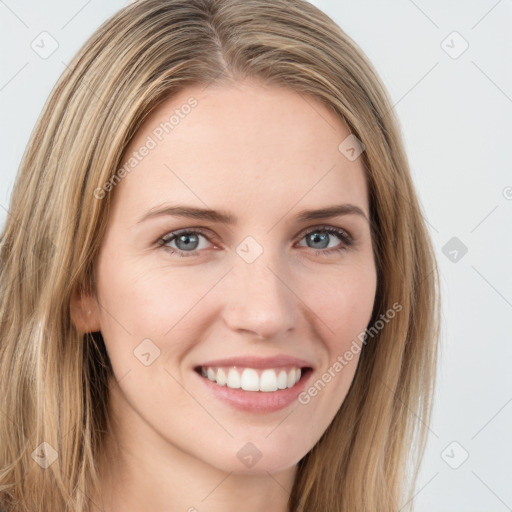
249 291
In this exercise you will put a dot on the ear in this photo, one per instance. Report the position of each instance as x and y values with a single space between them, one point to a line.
85 311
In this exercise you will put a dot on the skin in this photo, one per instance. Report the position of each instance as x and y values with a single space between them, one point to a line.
263 154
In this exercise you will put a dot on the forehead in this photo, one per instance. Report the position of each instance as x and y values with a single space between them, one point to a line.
241 147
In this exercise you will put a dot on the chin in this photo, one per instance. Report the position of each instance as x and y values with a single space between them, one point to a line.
258 458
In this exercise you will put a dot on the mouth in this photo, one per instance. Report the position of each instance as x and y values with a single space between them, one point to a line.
262 380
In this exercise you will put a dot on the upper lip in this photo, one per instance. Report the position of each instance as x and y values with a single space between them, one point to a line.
259 362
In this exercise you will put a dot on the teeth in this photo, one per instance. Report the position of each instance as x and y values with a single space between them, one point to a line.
291 378
221 377
233 379
249 379
282 380
268 381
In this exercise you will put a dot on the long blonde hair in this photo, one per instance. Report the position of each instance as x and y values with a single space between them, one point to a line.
53 380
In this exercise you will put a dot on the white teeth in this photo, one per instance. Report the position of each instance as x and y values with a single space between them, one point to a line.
268 381
282 380
233 379
221 377
249 379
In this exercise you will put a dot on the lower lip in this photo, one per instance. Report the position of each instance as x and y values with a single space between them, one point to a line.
257 401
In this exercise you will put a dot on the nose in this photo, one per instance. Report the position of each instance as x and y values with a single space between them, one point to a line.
259 301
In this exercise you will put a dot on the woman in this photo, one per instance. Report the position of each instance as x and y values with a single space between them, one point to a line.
285 364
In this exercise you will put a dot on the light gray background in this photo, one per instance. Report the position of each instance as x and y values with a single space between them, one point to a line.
456 122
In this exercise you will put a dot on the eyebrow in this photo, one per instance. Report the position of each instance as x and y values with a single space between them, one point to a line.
228 218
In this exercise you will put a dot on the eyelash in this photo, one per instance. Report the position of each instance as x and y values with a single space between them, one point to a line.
341 234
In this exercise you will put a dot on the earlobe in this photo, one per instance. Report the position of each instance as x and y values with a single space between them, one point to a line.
85 312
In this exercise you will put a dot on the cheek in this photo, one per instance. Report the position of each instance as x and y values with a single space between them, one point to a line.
343 305
343 302
141 297
141 302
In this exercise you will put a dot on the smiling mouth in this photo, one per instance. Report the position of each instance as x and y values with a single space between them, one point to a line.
254 379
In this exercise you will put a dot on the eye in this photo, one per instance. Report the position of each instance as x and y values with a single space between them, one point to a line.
187 242
319 239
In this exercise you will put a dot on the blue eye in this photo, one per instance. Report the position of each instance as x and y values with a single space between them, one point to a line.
320 238
187 242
